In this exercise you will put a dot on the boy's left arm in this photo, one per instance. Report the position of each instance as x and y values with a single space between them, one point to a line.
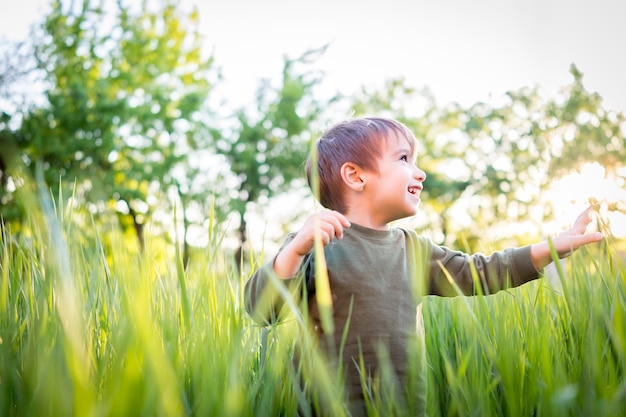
566 242
509 268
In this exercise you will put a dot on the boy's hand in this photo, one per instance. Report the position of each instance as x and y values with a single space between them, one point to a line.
331 225
566 242
570 240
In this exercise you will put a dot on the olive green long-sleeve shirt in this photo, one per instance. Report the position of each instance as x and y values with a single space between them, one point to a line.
381 276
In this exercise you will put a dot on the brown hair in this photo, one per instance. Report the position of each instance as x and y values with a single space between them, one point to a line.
358 141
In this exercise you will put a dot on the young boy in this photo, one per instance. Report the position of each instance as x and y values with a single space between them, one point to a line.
367 179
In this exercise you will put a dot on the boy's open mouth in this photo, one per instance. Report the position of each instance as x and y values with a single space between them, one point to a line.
414 190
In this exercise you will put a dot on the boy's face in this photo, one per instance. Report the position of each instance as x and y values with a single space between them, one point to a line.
394 191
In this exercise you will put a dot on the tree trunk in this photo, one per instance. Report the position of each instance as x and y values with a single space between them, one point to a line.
243 232
138 228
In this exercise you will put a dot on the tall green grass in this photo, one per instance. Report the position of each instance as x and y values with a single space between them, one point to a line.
537 350
91 327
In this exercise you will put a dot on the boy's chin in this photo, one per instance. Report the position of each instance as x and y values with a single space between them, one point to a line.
411 213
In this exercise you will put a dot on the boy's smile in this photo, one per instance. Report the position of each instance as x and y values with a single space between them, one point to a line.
415 190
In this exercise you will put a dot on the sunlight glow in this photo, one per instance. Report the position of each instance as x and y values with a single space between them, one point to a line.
573 193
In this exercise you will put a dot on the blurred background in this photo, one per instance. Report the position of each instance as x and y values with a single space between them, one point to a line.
180 119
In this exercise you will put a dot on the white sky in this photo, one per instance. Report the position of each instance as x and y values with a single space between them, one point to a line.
463 50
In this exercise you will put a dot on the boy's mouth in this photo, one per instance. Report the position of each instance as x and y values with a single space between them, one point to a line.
414 190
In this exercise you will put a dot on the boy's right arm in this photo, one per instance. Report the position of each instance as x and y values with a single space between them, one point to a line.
263 301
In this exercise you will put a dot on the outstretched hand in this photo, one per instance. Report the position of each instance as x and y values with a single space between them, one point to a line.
568 241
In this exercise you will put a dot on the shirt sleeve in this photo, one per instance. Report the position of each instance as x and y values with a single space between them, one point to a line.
265 293
451 272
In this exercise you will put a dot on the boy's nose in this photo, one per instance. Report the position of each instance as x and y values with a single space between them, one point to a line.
420 175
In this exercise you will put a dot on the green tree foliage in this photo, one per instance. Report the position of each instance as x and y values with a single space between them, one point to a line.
514 151
586 133
17 68
267 149
125 95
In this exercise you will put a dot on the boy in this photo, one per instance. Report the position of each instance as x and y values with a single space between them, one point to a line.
367 179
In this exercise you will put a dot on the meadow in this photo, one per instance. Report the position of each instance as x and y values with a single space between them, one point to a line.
91 327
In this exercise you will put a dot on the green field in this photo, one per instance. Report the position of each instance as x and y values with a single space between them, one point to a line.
89 327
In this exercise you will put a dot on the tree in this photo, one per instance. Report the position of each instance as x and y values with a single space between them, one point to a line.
17 63
126 95
586 132
17 69
516 150
267 149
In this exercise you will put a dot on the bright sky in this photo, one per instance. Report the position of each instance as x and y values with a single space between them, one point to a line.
464 51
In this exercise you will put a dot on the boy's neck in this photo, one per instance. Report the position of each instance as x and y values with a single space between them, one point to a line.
365 219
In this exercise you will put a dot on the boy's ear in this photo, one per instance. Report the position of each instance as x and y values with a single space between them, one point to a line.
352 176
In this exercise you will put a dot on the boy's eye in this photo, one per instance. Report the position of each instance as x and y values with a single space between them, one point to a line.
404 158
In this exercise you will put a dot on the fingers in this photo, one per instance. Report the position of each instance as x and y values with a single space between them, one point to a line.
332 224
584 218
572 239
587 239
566 244
329 225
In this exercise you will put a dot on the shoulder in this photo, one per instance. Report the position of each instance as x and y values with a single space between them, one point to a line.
416 243
412 235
